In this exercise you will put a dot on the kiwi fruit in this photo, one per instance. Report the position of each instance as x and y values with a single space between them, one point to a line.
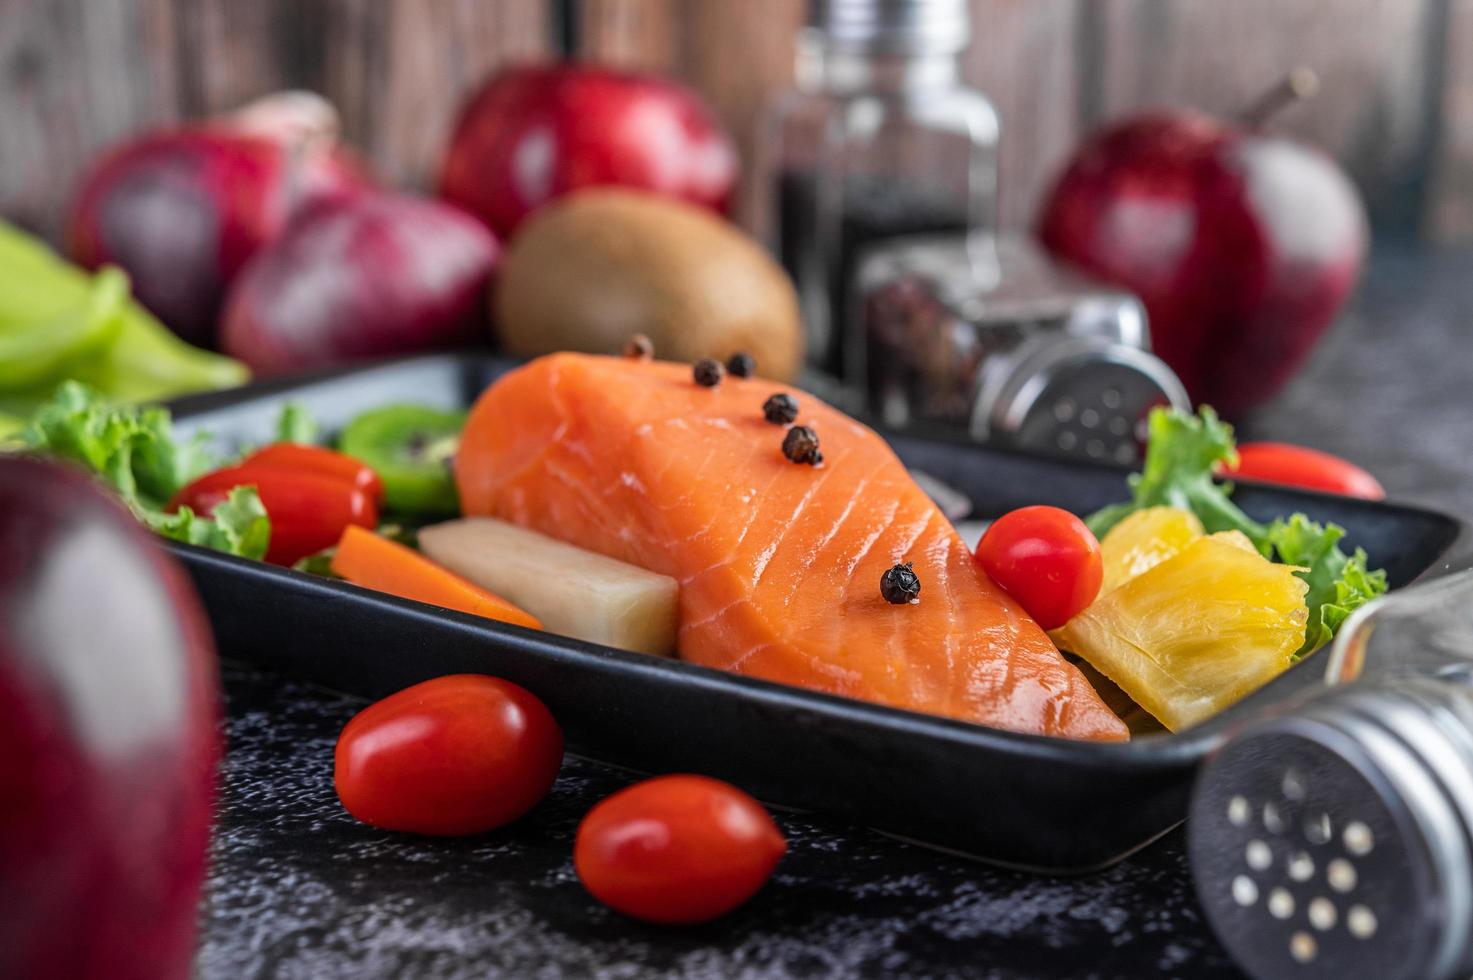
591 270
412 448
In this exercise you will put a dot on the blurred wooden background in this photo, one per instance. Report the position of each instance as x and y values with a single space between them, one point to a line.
1396 106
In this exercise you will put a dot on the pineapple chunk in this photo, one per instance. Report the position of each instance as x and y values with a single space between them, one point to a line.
574 592
1196 632
1143 540
1240 541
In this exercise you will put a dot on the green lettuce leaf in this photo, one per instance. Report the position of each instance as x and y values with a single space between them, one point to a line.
134 451
296 424
239 526
1339 583
1180 455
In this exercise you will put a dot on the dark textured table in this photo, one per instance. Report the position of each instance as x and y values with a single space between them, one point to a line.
300 890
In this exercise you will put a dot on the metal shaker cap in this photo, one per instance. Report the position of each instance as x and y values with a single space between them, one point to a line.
893 26
1334 841
1081 396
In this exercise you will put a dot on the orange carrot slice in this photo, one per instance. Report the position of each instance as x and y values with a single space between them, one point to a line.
374 562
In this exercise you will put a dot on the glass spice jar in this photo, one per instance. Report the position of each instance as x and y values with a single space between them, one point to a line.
878 138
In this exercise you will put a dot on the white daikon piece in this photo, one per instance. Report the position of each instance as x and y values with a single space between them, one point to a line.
574 592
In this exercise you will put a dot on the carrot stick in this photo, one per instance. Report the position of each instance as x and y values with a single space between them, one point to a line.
375 562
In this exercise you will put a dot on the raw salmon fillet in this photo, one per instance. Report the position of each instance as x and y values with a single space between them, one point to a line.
779 563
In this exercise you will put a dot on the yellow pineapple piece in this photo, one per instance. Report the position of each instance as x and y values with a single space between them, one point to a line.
1240 541
1196 632
1143 540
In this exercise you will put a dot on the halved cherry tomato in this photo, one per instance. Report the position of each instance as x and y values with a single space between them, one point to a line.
1046 559
308 511
315 459
1298 466
677 849
461 754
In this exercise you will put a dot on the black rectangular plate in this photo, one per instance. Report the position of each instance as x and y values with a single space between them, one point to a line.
1021 800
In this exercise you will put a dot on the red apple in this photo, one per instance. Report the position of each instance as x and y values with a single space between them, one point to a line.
108 738
1242 245
182 209
368 276
532 134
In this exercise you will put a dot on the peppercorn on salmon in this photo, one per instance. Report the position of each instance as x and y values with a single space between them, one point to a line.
779 562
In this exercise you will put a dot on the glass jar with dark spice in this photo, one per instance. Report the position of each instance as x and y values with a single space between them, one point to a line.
879 137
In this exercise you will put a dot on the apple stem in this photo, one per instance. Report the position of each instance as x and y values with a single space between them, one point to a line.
1297 86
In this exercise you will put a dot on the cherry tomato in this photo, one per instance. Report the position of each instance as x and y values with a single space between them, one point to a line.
314 459
308 511
677 849
1046 559
1297 466
456 755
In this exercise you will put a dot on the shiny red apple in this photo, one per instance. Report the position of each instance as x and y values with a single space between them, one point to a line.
108 738
532 134
181 209
1242 245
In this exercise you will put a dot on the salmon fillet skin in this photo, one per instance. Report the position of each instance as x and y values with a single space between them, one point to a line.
779 563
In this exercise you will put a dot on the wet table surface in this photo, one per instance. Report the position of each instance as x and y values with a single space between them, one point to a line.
300 890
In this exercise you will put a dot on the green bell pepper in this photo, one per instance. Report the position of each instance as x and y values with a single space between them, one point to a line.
58 321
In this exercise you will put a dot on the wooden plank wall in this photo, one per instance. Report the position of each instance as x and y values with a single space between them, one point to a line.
1396 106
77 74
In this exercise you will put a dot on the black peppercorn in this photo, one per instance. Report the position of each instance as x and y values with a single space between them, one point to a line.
708 373
639 348
900 585
801 445
741 365
780 409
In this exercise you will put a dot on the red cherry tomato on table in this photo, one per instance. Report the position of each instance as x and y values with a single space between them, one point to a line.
1298 466
456 755
308 511
315 459
677 849
1046 559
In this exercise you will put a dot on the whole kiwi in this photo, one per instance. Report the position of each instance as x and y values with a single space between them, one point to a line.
590 271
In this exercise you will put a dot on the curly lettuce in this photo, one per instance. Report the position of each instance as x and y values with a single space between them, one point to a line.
133 450
1181 453
1339 583
296 424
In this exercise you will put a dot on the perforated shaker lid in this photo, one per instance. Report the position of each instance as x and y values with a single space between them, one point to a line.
1078 396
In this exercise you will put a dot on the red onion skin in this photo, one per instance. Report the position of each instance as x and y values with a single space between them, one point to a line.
533 134
183 210
108 721
359 278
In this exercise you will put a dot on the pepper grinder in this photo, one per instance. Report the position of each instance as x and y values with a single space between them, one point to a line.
878 138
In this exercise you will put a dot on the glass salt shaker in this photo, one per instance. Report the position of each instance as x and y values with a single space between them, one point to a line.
877 138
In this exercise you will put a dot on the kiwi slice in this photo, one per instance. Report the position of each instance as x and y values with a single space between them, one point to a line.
412 448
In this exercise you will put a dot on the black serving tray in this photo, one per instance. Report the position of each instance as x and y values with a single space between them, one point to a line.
1026 801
